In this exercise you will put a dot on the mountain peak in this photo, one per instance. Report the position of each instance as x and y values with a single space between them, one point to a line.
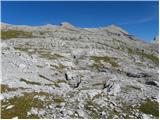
115 28
156 39
66 25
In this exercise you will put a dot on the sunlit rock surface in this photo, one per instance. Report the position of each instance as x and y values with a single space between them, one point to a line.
69 72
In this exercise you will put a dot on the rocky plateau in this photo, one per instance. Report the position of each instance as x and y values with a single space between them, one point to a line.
63 71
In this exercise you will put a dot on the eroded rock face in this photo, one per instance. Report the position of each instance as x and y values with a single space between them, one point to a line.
70 72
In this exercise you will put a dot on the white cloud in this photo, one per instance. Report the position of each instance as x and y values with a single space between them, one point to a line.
143 20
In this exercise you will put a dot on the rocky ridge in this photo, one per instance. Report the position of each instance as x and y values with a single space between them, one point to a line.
64 71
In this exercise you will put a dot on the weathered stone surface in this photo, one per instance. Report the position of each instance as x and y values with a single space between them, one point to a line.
70 72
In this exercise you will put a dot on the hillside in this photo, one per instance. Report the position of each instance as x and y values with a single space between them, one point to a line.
63 71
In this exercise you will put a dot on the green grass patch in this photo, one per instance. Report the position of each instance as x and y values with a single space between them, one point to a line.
56 83
59 66
21 49
130 51
61 81
143 55
125 109
150 107
25 49
105 59
15 34
30 82
112 113
6 88
128 88
58 100
48 55
22 104
93 109
140 64
41 53
97 96
96 66
151 57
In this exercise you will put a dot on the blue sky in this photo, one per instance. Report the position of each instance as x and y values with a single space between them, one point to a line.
138 18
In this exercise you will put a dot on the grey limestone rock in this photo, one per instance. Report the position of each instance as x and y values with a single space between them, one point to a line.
70 72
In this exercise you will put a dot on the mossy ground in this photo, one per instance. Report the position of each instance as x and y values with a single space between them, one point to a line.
59 67
150 107
6 88
93 109
129 88
144 55
98 61
23 104
48 55
126 111
151 57
42 53
15 34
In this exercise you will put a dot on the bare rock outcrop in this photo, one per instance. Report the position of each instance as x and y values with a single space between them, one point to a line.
64 71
